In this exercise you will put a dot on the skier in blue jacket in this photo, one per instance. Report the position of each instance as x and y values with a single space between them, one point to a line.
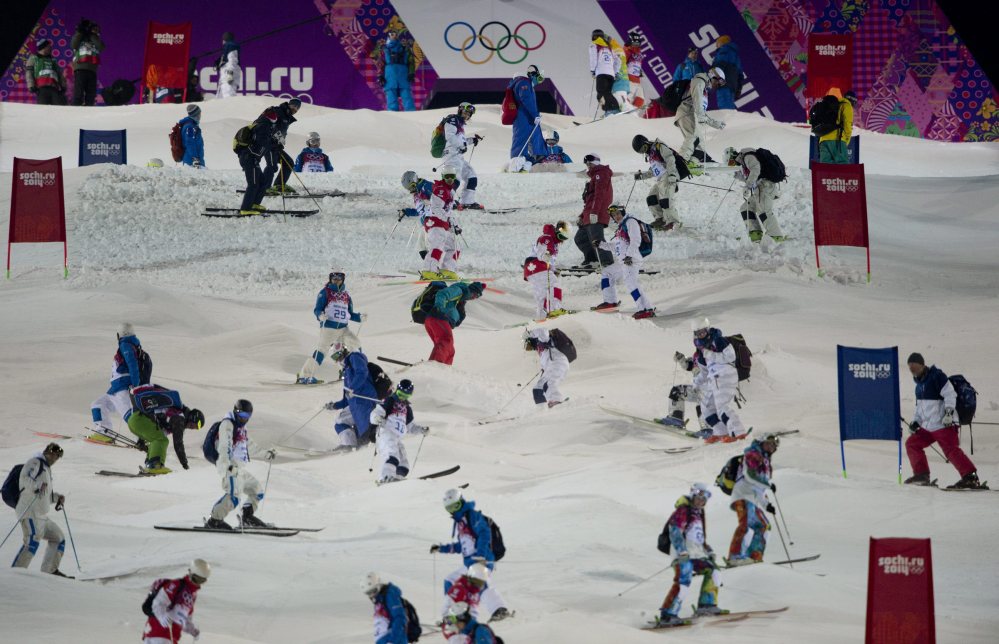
527 138
727 58
359 399
312 158
132 367
397 74
334 309
390 612
690 66
190 134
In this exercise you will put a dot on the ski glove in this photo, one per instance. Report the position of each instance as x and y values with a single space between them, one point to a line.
773 488
476 138
456 229
537 121
913 426
271 454
948 418
363 316
679 358
770 508
60 501
331 406
628 261
435 548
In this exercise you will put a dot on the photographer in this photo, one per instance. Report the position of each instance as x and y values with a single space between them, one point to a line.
87 47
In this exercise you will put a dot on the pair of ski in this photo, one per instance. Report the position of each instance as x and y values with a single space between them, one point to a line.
451 281
984 487
784 562
260 531
233 213
722 618
305 195
578 272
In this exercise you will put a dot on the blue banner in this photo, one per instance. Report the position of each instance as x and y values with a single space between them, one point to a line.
102 146
869 399
853 150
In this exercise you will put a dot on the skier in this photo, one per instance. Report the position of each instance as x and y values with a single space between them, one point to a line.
681 394
527 140
689 66
173 605
397 71
662 161
390 612
758 196
834 146
448 313
633 59
461 628
726 58
604 64
360 395
692 112
312 158
229 45
87 47
627 264
230 75
36 497
541 274
334 309
190 134
156 413
422 191
554 366
455 146
440 226
597 197
717 381
132 367
43 75
474 542
935 421
252 144
687 532
749 500
235 448
553 152
467 589
285 117
392 419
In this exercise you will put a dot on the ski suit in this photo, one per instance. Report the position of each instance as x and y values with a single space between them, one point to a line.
132 367
230 76
540 273
173 607
727 59
834 147
597 198
691 114
759 195
474 542
720 383
260 148
526 130
693 556
448 313
455 146
152 408
625 244
398 75
554 369
279 157
934 395
359 399
393 419
749 501
334 309
194 144
688 69
441 229
633 58
662 166
37 497
313 160
235 448
604 65
390 616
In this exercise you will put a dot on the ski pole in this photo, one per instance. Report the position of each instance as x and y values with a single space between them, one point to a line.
267 481
417 457
946 460
655 574
536 125
19 519
704 185
711 221
781 513
394 361
434 593
304 187
71 542
635 183
783 543
518 392
282 441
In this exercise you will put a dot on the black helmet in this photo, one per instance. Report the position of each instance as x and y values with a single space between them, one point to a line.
634 38
640 144
597 33
195 418
242 410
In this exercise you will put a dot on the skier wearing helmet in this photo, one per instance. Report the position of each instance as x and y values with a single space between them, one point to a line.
749 500
392 419
541 274
442 229
456 144
334 310
312 158
391 619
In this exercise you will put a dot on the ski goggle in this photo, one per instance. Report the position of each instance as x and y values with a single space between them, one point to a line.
616 210
454 507
402 395
244 416
198 579
701 333
449 178
338 277
467 108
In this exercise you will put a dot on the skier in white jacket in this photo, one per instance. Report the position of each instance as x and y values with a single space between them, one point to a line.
392 419
33 505
717 381
627 264
230 76
456 143
554 366
693 111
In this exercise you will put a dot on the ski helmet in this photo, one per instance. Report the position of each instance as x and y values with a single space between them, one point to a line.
154 163
409 180
640 144
53 448
371 584
340 275
562 230
535 74
125 329
701 324
199 568
449 171
591 158
701 490
479 572
313 141
195 418
771 438
340 354
405 389
634 38
453 500
466 110
242 410
552 138
716 72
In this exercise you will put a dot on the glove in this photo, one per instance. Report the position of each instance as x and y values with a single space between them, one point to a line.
628 261
948 418
638 176
33 90
682 557
770 508
679 358
191 629
476 138
330 406
456 229
435 548
321 318
913 427
60 501
381 80
185 466
537 120
463 149
773 487
271 454
363 316
196 162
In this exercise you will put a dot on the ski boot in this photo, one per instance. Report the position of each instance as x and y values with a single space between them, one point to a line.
471 206
779 238
703 434
154 467
248 213
552 403
388 479
258 207
500 613
755 236
735 562
969 482
556 313
696 169
308 381
429 275
99 437
665 620
605 306
644 313
59 573
709 611
669 421
248 520
658 224
919 479
342 449
217 524
448 275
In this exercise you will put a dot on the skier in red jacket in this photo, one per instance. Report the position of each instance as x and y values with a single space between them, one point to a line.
597 196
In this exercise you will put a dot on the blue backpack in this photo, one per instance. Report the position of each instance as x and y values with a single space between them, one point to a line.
967 399
645 246
210 447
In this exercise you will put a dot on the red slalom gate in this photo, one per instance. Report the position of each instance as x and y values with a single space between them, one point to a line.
900 592
37 206
839 208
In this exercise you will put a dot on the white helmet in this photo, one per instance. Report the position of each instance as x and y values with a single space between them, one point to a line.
700 489
448 169
313 140
478 571
125 329
717 73
371 584
409 178
200 568
697 325
451 498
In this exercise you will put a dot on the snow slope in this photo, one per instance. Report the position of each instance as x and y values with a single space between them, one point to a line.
224 307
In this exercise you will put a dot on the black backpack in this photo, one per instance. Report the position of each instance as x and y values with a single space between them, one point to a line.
210 448
663 544
645 230
967 399
147 605
413 628
11 491
424 302
673 95
562 342
771 167
499 550
381 381
681 165
824 116
743 356
728 475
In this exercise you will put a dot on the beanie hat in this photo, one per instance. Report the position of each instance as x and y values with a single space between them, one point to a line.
722 40
194 111
42 43
916 358
476 288
296 103
850 96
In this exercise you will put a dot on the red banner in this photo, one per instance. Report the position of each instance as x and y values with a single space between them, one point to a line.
37 205
900 592
839 207
830 64
166 58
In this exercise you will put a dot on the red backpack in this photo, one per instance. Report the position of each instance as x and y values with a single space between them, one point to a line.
176 143
508 108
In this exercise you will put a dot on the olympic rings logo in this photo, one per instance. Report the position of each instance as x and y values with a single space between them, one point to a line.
500 43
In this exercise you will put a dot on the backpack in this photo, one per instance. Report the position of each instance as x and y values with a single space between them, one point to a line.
508 108
967 400
145 366
663 543
644 246
681 165
563 343
210 447
499 550
424 302
824 116
771 167
243 137
673 95
381 381
496 638
147 605
728 475
413 629
437 140
743 356
176 143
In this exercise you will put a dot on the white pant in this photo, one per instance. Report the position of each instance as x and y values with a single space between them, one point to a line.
686 120
392 454
35 531
229 88
108 407
489 600
443 252
547 292
662 200
758 209
237 484
552 375
466 173
620 270
348 437
718 403
328 337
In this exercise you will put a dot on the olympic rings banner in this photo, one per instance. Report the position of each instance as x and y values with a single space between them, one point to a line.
496 44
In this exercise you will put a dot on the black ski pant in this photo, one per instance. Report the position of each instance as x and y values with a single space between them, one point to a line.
585 236
605 82
84 87
287 164
50 96
257 180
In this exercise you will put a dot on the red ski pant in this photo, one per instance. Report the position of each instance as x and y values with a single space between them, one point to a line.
950 443
443 339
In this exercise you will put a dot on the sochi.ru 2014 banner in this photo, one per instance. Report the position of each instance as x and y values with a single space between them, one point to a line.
900 606
37 205
102 146
839 208
869 402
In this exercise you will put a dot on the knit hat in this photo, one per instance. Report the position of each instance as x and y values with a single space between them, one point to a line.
916 358
194 111
42 43
296 103
476 288
850 96
722 40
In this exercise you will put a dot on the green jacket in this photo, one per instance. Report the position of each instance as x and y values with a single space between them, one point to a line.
44 71
86 51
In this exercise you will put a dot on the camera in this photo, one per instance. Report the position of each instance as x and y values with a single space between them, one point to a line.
85 26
